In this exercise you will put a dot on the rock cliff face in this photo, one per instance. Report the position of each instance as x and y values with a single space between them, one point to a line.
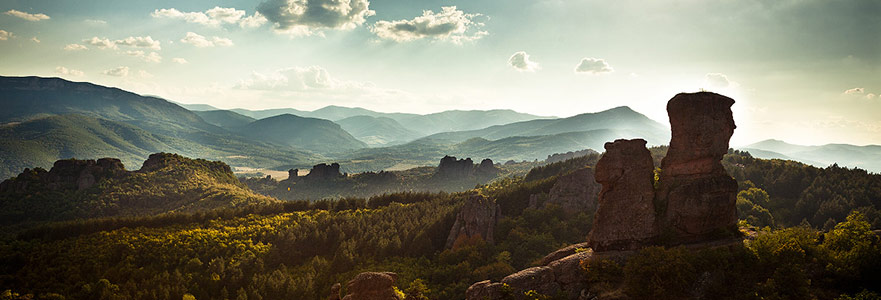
625 218
477 218
450 167
372 286
68 174
697 193
324 171
575 192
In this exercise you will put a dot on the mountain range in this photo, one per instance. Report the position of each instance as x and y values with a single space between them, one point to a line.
864 157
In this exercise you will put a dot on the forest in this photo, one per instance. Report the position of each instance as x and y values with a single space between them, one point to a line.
809 234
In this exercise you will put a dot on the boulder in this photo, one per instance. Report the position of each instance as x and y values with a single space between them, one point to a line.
372 286
540 279
697 194
335 292
477 218
563 252
625 217
484 290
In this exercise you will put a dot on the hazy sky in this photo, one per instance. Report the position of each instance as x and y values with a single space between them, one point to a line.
806 72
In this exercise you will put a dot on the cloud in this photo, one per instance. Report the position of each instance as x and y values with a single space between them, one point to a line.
5 35
717 80
151 57
448 24
121 71
145 74
95 22
180 60
75 47
213 17
296 78
202 42
520 61
65 71
302 17
27 16
855 91
35 40
870 96
132 41
593 66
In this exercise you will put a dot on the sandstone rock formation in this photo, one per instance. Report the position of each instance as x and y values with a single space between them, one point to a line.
625 217
575 192
324 171
68 174
697 193
562 275
335 292
450 167
372 286
477 218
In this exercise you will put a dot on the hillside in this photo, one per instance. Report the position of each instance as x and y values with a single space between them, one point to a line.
864 157
308 133
224 118
377 131
89 189
624 120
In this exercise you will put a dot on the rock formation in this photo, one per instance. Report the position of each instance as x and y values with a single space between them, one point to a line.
476 219
335 292
575 192
324 171
625 217
697 193
372 286
293 174
562 275
67 174
450 167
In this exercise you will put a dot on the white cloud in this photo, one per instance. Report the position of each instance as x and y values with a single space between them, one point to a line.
151 57
5 35
870 96
121 71
213 17
35 40
448 24
145 74
855 91
139 42
132 41
593 66
180 60
65 71
253 21
75 47
27 16
520 61
202 42
95 22
296 78
301 17
717 80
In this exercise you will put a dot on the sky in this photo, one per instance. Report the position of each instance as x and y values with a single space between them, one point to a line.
803 71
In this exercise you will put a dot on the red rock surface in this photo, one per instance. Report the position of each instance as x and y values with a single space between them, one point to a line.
625 217
477 218
372 286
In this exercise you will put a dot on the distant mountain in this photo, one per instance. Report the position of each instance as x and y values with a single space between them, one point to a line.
377 131
864 157
452 120
196 107
224 118
309 133
622 121
263 114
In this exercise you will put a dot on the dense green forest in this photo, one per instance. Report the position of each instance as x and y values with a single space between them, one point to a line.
814 239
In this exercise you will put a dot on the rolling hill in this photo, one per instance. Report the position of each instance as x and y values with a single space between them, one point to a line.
623 121
224 118
864 157
377 131
308 133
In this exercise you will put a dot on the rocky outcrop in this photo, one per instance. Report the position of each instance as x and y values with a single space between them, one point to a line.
335 292
67 174
450 167
476 219
372 286
697 195
324 171
560 276
625 217
575 192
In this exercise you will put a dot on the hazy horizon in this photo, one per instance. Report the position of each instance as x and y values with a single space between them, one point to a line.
804 71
